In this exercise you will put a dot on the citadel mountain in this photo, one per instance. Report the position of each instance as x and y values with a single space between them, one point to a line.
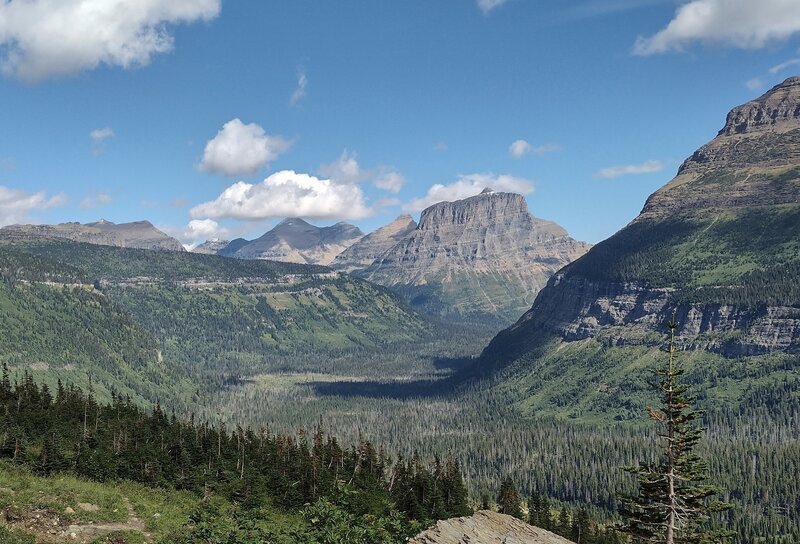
481 259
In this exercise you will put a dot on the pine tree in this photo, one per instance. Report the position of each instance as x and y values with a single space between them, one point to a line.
508 500
674 497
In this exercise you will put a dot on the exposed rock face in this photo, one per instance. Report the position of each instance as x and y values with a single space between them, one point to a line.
483 258
372 246
486 527
295 241
211 247
718 245
138 234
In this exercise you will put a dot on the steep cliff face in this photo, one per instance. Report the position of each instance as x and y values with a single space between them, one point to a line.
719 245
483 258
137 235
372 246
296 241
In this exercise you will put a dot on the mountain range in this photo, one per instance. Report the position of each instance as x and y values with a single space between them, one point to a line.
718 248
137 234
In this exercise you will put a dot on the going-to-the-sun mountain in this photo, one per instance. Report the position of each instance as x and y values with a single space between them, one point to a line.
320 385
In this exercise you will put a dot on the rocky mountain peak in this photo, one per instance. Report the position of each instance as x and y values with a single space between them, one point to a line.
482 258
369 248
487 191
760 140
487 207
777 109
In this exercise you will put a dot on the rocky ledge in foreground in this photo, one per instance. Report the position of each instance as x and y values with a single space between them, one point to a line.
487 527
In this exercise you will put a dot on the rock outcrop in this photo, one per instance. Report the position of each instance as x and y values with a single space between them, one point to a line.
296 241
211 247
138 234
372 246
486 527
479 259
718 245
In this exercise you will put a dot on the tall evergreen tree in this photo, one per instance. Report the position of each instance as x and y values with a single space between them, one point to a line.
508 500
674 499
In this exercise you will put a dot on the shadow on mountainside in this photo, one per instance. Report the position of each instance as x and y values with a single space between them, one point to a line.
402 389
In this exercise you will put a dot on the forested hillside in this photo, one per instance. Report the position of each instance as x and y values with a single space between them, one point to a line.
216 318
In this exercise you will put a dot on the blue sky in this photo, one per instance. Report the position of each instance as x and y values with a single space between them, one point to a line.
220 118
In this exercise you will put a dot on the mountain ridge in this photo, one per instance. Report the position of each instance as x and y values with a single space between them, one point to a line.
135 234
719 245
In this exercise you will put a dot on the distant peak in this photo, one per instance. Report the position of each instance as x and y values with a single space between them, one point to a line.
487 191
101 222
292 221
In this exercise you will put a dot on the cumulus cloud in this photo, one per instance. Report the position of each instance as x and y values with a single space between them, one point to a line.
40 39
488 5
202 229
647 167
346 169
240 149
739 23
287 194
390 181
467 186
520 148
15 205
300 91
95 201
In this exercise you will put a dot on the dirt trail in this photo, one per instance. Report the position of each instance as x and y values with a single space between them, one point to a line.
89 533
50 528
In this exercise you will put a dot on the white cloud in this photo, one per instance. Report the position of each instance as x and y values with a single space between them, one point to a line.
240 149
467 186
15 205
754 84
202 229
783 66
345 169
40 39
488 5
441 146
299 92
647 167
98 136
95 201
287 194
746 24
520 148
390 181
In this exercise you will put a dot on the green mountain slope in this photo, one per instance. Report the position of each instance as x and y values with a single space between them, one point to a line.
719 245
56 325
208 317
